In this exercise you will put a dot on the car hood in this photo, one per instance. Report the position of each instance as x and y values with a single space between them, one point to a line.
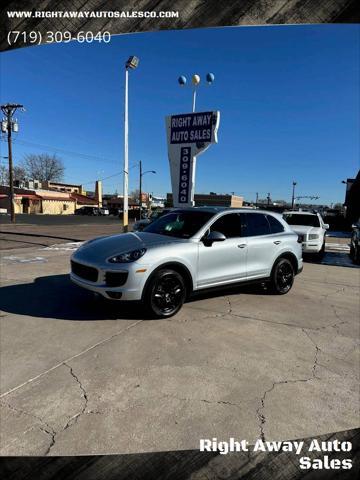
102 248
305 229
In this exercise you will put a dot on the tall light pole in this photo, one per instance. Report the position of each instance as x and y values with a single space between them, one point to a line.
131 63
9 125
293 195
140 184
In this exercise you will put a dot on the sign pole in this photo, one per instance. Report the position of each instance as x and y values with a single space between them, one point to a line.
194 99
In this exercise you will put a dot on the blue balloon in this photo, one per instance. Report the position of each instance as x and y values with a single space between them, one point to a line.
182 80
210 77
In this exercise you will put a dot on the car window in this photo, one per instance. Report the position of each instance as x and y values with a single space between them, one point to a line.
299 219
275 225
181 224
257 224
229 225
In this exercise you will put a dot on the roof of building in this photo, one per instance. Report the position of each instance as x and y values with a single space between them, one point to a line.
83 199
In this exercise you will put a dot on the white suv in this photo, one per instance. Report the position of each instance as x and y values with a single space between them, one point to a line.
311 230
190 250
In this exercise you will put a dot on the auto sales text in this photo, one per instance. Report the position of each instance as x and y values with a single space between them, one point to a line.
298 447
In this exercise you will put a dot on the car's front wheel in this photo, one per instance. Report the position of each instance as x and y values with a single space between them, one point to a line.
165 293
282 277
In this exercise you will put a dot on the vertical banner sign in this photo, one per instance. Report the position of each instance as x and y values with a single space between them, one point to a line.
188 135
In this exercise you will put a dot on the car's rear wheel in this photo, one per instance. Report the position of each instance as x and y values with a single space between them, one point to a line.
165 293
282 277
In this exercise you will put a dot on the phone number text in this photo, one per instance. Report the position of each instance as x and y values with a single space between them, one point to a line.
36 38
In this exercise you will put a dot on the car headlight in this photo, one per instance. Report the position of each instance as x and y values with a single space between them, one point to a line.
128 256
313 236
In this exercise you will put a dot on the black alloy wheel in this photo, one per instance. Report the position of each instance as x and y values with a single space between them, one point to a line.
166 293
282 277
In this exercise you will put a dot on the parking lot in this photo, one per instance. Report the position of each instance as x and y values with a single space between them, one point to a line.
82 376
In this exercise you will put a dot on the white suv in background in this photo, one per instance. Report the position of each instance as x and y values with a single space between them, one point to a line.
311 230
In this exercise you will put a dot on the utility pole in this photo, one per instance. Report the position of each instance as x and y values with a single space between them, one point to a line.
140 188
293 195
9 125
257 199
268 198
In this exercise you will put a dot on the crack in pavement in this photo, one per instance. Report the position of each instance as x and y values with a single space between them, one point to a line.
260 411
75 417
227 298
46 428
101 342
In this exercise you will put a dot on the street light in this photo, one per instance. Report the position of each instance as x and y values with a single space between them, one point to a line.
293 195
140 184
131 64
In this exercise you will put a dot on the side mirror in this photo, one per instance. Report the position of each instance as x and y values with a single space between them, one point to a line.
326 226
213 237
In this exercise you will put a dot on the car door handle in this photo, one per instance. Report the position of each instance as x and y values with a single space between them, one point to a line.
277 242
242 245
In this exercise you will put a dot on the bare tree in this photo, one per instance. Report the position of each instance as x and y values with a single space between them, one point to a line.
4 175
43 167
18 174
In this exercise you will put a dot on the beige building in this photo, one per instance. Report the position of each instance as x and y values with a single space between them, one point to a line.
38 201
213 200
63 187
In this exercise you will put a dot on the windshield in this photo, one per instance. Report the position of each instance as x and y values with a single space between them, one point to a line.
180 224
298 219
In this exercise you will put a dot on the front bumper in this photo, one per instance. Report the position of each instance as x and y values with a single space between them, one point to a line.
130 291
311 246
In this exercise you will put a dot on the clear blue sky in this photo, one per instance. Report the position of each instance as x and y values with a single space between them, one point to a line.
288 96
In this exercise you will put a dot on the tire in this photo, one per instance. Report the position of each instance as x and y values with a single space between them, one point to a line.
356 259
165 293
282 277
321 253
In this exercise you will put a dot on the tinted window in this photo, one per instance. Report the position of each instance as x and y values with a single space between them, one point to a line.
275 225
229 225
302 219
257 224
182 224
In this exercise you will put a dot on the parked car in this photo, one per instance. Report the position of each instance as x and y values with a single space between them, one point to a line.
189 250
141 224
311 230
355 243
104 211
94 211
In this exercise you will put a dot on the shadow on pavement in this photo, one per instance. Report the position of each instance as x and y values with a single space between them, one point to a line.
55 296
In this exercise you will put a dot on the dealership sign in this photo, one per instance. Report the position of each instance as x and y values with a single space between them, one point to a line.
188 135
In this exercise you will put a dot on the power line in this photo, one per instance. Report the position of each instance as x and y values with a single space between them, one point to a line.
62 150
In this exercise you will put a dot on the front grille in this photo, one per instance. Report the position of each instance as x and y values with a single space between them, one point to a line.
83 271
115 279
